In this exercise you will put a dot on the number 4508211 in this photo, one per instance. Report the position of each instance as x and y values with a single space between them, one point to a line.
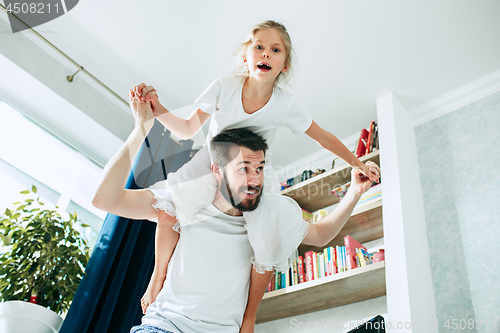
33 8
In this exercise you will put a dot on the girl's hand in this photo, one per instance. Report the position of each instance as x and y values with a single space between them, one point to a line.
148 93
359 182
143 112
370 170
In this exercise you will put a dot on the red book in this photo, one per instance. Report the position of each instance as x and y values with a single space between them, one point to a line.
369 140
334 260
300 269
350 251
309 266
362 143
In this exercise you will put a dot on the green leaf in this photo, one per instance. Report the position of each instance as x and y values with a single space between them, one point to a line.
25 192
33 188
33 268
16 203
21 207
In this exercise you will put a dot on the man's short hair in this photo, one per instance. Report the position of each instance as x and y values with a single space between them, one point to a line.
220 151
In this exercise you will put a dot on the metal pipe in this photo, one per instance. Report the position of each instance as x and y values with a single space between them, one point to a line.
65 56
80 68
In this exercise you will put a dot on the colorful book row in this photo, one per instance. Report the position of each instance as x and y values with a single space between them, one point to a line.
314 265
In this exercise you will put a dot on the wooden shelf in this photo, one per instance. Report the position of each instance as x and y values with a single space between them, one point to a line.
335 290
316 192
364 225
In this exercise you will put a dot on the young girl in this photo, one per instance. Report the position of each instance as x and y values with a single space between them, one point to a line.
252 100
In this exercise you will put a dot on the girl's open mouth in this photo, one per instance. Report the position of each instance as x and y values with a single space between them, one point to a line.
264 67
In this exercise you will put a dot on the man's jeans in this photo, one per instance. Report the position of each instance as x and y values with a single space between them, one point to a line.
145 328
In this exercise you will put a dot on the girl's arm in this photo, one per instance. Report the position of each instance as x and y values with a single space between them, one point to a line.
330 142
323 231
183 128
258 286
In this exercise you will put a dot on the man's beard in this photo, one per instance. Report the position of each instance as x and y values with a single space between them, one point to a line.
247 205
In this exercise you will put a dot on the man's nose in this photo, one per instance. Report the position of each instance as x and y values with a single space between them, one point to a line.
254 179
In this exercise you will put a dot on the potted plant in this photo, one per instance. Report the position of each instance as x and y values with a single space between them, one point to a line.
44 265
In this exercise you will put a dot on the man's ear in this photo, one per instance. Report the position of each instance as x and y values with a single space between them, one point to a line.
217 172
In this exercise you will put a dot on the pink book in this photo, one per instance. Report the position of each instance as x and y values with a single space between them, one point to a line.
350 251
309 265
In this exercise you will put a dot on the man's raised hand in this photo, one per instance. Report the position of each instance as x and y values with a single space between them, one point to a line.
148 93
143 112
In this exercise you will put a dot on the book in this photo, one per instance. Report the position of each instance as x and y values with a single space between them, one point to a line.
341 191
315 265
374 143
339 262
344 260
350 247
334 261
361 258
326 255
295 273
309 267
361 149
369 140
307 216
368 256
270 285
374 193
300 269
358 264
321 261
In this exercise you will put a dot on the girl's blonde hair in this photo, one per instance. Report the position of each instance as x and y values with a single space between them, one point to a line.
242 70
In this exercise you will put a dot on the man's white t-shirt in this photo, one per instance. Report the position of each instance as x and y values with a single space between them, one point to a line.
208 277
222 99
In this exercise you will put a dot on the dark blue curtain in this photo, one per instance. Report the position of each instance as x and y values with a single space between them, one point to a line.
118 272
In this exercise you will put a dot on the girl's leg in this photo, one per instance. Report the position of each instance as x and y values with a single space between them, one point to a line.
165 241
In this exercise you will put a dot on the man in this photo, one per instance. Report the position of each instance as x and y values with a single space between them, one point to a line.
211 285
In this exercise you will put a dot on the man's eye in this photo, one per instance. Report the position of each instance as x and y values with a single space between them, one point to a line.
244 169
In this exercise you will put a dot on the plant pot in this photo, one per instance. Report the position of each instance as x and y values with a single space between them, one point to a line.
23 317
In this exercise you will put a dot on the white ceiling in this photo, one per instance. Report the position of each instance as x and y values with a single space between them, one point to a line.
349 52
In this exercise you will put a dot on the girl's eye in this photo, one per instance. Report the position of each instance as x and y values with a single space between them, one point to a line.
258 47
276 50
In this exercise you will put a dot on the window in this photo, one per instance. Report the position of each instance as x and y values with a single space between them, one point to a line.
30 155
